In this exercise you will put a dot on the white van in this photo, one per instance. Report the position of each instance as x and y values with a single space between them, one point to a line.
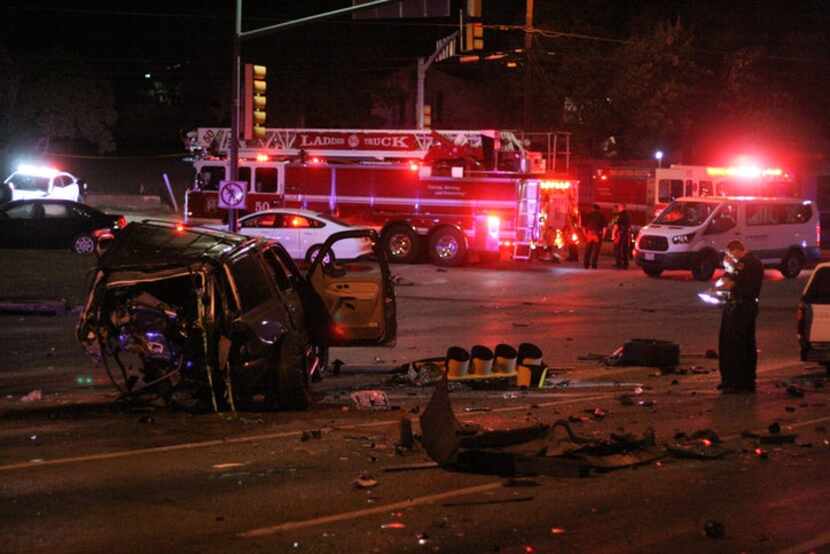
32 181
692 233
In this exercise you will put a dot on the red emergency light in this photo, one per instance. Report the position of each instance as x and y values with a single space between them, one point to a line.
414 166
555 185
493 226
262 157
180 227
315 161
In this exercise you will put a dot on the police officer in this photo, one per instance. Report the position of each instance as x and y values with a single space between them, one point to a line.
621 236
737 345
594 226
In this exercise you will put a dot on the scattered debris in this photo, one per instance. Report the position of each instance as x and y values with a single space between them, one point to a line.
146 419
598 413
313 434
706 434
714 529
394 525
626 400
790 409
771 438
371 400
400 281
364 482
711 355
477 409
411 467
761 453
33 396
336 366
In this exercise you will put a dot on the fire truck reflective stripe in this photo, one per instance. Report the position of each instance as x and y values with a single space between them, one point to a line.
627 206
399 201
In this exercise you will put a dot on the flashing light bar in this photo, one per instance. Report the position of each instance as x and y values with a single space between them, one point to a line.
37 170
744 171
493 225
262 157
555 185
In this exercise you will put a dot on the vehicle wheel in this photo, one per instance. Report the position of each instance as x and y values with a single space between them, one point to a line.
792 265
400 243
653 271
704 267
447 247
83 244
312 253
292 380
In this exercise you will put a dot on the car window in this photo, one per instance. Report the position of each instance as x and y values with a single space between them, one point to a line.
669 189
29 182
266 179
286 260
265 221
22 211
62 181
762 214
209 176
819 291
277 269
295 221
686 213
55 210
81 212
795 213
251 281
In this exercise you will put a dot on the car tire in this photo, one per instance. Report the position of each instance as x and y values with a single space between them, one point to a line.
792 265
292 379
400 244
448 247
312 253
83 244
653 272
704 267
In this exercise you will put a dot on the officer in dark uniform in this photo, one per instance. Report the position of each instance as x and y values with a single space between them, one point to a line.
737 345
621 236
594 226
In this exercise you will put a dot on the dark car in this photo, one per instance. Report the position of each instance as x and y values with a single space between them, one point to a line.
200 317
39 223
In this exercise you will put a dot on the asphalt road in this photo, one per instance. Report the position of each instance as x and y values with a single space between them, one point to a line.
80 475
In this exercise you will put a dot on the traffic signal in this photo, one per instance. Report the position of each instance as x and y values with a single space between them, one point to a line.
427 116
255 102
473 38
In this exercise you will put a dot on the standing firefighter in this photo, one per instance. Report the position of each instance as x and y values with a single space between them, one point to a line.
737 345
594 226
621 236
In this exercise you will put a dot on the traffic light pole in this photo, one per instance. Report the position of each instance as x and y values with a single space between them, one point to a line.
238 37
233 146
423 65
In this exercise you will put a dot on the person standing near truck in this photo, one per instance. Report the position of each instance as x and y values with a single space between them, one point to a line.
594 226
737 344
621 235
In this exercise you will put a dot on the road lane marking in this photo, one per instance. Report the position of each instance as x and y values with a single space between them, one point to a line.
808 546
252 438
345 516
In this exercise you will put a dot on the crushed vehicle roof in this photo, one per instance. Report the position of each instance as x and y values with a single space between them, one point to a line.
162 244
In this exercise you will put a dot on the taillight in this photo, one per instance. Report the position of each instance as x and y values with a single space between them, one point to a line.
122 222
818 234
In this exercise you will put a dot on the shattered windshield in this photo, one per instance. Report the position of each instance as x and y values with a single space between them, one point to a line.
687 214
29 182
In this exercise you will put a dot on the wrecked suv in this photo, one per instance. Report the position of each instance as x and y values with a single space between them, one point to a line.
204 318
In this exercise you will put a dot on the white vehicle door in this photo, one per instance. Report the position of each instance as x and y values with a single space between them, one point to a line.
312 232
722 228
816 301
761 219
272 226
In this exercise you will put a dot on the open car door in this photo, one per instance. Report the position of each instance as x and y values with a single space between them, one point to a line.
358 294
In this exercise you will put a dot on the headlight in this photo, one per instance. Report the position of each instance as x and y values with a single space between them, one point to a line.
683 239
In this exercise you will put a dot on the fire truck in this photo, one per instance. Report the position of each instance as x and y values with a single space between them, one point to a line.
454 194
646 191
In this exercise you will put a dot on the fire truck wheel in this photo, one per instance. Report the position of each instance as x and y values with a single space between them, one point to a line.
447 247
400 244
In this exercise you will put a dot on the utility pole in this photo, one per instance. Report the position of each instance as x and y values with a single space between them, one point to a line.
528 46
